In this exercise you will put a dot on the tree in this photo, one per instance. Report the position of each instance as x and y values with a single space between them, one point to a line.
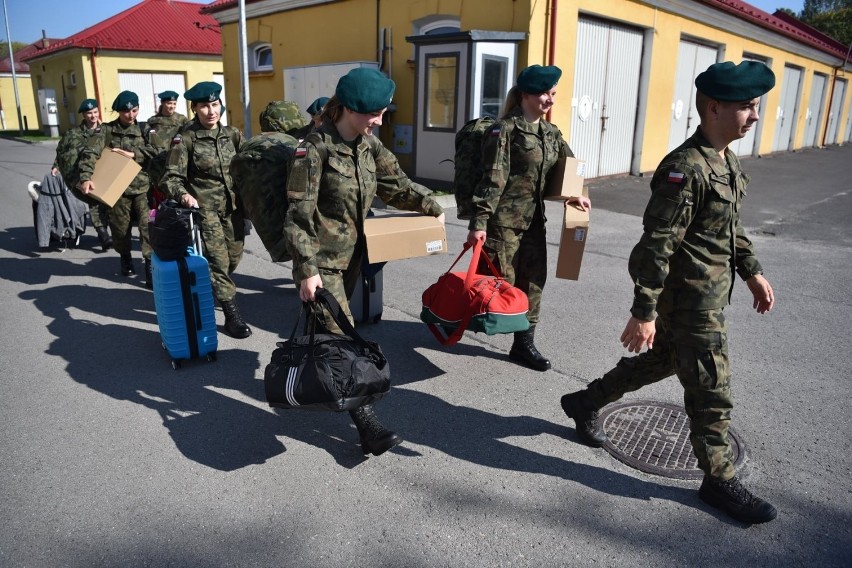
831 17
16 47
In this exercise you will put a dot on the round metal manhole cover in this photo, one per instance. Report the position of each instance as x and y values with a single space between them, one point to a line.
654 437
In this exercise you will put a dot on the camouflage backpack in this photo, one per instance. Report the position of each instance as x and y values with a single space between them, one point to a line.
259 171
468 163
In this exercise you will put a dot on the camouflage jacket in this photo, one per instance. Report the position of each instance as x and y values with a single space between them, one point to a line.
68 152
161 130
199 163
114 135
516 158
693 239
330 189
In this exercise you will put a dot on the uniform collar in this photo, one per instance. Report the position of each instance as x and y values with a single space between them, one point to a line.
718 164
522 124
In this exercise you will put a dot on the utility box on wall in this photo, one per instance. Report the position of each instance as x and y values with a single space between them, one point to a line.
303 85
49 112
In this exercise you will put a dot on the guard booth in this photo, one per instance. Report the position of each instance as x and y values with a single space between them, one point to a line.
458 76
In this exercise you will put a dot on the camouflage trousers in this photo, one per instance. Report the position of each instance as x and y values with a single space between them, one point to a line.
100 215
521 258
223 235
694 346
121 222
341 284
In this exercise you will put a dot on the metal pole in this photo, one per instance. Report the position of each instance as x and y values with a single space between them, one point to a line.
245 95
14 75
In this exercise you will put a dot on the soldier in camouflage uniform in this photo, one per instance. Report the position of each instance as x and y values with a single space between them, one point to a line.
683 271
337 171
126 137
198 175
68 154
517 155
162 127
315 110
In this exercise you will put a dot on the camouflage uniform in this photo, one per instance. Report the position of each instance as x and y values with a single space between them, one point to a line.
683 271
67 155
134 200
508 205
330 188
161 130
199 164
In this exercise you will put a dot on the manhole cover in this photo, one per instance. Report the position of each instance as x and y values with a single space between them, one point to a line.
654 437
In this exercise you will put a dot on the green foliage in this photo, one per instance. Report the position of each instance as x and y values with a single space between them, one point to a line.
16 46
835 23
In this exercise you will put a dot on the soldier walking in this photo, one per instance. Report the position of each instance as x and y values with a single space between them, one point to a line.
683 272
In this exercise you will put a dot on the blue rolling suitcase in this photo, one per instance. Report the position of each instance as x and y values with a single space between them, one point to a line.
183 297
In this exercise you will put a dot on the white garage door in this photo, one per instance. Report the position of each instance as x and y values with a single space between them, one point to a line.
147 85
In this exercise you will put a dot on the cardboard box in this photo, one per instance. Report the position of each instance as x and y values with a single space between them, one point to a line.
113 173
403 235
566 179
575 231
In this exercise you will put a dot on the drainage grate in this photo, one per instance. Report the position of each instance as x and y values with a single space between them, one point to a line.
654 437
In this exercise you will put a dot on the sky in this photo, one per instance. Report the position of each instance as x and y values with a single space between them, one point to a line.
62 18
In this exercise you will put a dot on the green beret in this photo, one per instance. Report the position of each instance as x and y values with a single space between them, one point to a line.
203 92
168 96
126 100
88 105
365 90
536 79
729 82
317 106
281 116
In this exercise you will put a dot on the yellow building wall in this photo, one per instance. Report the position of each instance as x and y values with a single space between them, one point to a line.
53 72
354 26
26 99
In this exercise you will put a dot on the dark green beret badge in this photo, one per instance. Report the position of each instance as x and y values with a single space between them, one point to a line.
729 82
88 105
168 96
204 92
126 100
536 79
365 90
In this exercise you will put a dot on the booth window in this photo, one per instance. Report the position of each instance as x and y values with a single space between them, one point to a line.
442 80
262 60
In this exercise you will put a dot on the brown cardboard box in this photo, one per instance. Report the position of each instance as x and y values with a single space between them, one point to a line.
403 235
566 179
575 230
113 173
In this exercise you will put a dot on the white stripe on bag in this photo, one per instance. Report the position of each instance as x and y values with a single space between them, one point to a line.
291 383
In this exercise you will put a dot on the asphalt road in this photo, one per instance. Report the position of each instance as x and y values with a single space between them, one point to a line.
108 457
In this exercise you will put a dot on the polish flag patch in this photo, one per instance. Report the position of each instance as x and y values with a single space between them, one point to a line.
301 152
495 131
675 177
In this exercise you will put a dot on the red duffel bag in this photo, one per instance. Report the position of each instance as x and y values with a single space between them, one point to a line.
467 300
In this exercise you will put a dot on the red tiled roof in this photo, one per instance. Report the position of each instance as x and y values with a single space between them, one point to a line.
21 55
797 31
160 26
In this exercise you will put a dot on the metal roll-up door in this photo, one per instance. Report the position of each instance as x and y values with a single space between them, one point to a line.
605 95
147 85
835 110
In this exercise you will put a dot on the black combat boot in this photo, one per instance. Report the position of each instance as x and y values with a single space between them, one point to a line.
523 351
127 265
737 501
375 438
104 237
149 275
585 415
234 324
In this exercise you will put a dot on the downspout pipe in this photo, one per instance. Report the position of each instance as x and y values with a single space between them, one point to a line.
551 40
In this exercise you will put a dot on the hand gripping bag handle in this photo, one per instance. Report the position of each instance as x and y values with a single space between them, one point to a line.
456 335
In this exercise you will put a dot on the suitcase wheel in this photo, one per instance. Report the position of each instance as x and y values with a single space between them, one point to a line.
211 356
175 364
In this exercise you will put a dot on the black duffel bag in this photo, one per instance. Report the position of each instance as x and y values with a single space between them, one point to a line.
170 233
326 371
